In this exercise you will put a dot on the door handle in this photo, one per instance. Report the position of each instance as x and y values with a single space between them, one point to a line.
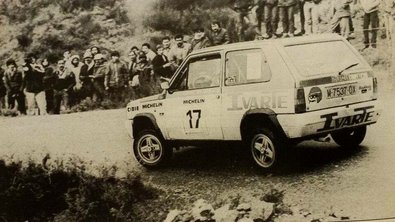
218 96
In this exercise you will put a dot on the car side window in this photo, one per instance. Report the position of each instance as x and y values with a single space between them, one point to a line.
246 66
199 73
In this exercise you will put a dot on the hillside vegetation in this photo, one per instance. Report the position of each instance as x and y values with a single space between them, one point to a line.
48 27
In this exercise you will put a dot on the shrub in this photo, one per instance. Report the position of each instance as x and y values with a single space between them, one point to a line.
68 193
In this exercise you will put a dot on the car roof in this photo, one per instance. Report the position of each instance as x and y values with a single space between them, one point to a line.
281 42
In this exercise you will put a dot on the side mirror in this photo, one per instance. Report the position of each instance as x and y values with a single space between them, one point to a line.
165 85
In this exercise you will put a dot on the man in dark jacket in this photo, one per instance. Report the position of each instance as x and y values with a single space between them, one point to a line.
145 74
34 86
162 68
49 83
161 64
86 75
65 82
218 35
134 87
99 72
200 40
13 81
116 78
3 90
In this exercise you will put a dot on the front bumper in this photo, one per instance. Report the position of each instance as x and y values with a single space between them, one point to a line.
329 120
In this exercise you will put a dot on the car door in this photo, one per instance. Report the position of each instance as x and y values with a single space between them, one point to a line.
249 85
193 101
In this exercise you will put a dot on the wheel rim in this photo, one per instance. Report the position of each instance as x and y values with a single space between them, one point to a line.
263 150
150 149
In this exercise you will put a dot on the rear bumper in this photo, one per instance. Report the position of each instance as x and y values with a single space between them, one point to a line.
329 120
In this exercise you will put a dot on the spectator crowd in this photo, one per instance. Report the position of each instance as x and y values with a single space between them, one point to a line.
38 87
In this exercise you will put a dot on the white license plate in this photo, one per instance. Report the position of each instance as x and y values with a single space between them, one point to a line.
341 91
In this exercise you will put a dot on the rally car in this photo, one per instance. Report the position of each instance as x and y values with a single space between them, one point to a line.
266 94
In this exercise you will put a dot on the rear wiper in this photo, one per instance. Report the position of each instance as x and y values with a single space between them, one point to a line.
348 67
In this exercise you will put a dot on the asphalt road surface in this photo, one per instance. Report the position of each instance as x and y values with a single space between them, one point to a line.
320 177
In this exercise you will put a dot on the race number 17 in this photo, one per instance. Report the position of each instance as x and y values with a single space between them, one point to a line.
194 114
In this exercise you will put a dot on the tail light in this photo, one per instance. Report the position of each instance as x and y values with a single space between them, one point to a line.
375 88
300 101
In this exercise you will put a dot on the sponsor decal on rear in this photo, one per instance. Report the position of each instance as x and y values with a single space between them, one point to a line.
315 95
331 123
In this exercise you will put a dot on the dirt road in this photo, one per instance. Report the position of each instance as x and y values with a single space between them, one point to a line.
320 177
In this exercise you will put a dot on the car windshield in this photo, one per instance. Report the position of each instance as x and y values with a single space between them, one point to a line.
323 57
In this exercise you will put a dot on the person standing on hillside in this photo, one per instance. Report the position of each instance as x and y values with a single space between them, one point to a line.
134 83
311 14
271 18
389 9
287 12
34 86
370 18
161 65
94 50
302 17
243 8
3 90
75 70
145 73
180 51
13 82
63 86
218 35
260 14
132 65
86 75
116 78
166 46
146 49
200 40
99 72
341 15
49 81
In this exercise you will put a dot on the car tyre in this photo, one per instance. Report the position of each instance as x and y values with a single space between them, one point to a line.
151 150
349 137
266 149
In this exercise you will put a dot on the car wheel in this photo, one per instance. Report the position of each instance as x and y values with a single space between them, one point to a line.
150 149
265 149
349 137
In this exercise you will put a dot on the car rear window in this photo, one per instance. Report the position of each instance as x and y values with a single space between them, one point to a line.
323 57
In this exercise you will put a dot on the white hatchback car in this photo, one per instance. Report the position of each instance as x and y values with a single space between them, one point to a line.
264 93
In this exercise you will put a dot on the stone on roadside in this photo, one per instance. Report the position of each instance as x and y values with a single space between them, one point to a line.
261 210
224 214
202 211
244 207
178 216
172 216
292 218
